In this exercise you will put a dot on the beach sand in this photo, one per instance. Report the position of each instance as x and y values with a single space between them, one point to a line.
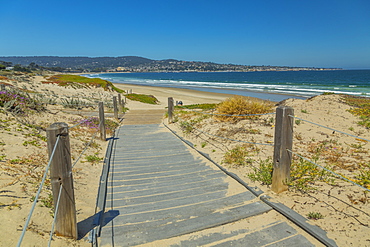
345 208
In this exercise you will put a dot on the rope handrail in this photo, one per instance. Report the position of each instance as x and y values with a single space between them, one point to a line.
330 128
55 215
37 194
221 137
335 174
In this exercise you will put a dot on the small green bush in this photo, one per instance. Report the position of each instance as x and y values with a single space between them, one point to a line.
93 159
315 215
262 173
236 156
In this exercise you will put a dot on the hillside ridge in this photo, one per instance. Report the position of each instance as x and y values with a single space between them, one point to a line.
134 64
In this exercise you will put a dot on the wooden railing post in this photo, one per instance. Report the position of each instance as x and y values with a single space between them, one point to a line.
119 100
61 175
170 109
282 142
103 134
115 107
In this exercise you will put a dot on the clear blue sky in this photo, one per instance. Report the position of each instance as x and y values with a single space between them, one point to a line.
320 33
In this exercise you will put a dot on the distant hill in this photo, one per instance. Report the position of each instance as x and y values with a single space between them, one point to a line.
78 62
130 64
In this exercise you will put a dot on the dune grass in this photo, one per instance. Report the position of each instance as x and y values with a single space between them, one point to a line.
240 105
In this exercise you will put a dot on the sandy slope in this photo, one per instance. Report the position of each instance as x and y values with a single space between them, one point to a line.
24 156
345 207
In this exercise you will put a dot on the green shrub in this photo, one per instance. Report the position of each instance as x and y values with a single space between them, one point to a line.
236 156
315 215
304 174
93 159
262 173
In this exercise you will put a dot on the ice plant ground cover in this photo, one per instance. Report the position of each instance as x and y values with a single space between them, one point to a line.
18 102
360 107
93 124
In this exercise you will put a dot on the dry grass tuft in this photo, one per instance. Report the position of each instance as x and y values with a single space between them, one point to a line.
240 105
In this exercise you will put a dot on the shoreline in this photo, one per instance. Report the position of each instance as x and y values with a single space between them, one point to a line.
274 97
187 96
277 87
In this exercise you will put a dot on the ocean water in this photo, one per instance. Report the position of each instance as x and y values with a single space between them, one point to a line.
272 85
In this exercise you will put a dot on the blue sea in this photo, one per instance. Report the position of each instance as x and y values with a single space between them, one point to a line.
271 85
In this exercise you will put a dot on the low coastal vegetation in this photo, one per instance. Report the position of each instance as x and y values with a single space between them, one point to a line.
198 106
148 99
76 81
360 108
92 123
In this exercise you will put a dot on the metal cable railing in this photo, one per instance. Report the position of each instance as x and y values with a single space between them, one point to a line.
55 215
61 186
205 133
87 145
310 161
37 194
335 174
77 124
335 130
227 115
357 137
287 130
225 138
